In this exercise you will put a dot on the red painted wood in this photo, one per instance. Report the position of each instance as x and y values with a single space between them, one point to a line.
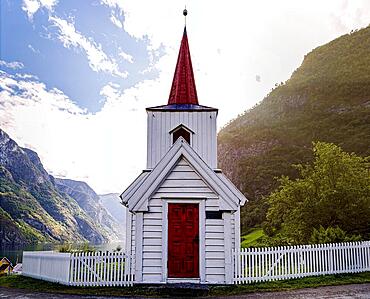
183 240
183 90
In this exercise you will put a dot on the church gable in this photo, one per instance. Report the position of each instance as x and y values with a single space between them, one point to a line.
137 199
183 181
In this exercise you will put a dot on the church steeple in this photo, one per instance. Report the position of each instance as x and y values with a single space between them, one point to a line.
182 116
183 90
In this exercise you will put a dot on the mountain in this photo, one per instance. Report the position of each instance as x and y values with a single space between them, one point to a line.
91 203
34 208
112 204
326 99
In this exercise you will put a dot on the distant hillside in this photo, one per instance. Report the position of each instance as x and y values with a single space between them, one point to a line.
90 202
34 208
112 204
326 99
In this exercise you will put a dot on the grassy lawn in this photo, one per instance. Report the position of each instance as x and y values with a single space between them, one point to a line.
21 282
250 239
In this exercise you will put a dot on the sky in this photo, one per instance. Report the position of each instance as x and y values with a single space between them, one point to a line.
76 76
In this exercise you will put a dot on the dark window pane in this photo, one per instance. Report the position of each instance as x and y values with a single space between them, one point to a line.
183 133
213 214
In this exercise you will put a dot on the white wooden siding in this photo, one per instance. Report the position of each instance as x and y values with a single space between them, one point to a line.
182 182
215 251
204 139
152 244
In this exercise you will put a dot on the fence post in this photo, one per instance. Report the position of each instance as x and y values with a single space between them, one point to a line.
68 274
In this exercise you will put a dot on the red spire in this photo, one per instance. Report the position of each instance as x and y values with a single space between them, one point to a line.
183 90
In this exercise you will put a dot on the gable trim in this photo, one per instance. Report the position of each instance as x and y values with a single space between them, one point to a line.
133 187
181 126
138 196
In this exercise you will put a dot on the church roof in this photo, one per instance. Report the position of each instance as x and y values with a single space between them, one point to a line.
137 195
183 94
183 90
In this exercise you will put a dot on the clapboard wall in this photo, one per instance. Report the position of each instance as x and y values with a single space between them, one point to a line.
203 141
149 252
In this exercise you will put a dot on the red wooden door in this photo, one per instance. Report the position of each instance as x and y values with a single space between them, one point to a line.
183 240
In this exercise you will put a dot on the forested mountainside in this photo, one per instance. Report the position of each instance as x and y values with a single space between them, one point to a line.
326 99
36 207
90 202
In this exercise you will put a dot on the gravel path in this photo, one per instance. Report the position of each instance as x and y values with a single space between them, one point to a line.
358 291
21 294
350 291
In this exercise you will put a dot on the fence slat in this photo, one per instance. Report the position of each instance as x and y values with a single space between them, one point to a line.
286 262
80 269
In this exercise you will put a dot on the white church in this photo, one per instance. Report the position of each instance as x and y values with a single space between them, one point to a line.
183 213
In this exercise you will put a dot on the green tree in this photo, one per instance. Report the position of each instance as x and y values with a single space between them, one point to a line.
331 235
333 191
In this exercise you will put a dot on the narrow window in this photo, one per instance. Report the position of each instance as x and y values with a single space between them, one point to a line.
213 214
181 132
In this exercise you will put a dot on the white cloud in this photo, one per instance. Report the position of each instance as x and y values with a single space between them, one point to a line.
115 21
126 56
350 15
12 65
98 60
33 49
70 37
106 149
26 76
113 3
32 6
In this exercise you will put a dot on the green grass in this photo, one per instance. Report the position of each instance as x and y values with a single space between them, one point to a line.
20 282
251 239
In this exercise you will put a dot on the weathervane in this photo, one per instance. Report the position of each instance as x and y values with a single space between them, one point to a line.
185 13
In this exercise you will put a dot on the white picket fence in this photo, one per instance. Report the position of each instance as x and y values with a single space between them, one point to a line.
249 265
79 269
286 262
101 269
47 265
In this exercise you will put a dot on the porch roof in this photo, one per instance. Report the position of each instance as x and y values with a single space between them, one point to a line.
137 195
